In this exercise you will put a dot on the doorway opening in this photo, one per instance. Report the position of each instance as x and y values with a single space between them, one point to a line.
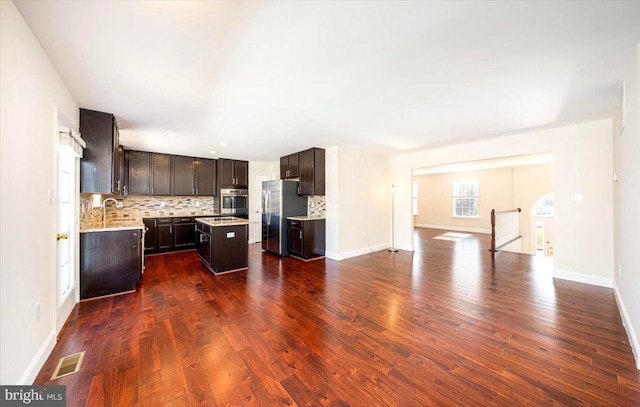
542 219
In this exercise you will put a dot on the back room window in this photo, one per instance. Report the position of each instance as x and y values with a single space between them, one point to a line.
465 199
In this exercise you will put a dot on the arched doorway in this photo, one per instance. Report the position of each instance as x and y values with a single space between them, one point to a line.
542 214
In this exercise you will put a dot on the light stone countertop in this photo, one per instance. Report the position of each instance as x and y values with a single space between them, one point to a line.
114 225
305 218
224 221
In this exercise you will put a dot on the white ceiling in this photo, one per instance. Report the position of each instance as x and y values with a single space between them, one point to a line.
273 78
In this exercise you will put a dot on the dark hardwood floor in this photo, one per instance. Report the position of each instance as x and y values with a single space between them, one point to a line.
441 326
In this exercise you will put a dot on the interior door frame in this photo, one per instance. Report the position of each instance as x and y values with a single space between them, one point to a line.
65 304
255 216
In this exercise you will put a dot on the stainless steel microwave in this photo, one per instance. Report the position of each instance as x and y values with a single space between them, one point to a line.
234 201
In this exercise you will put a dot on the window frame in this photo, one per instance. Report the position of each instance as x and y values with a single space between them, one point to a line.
458 187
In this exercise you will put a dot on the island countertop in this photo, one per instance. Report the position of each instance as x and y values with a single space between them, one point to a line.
223 221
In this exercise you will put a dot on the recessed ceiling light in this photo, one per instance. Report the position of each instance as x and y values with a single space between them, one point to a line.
167 146
223 144
213 152
172 135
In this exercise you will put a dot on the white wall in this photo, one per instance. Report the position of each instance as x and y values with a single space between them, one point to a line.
358 202
627 203
582 166
31 93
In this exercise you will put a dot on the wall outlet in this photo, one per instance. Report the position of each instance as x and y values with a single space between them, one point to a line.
197 203
162 204
37 311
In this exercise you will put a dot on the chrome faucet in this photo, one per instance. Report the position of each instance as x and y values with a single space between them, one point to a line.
104 209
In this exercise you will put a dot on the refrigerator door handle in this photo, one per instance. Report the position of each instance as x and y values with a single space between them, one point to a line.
268 207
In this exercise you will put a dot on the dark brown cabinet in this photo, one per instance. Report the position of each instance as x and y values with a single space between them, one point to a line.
100 171
205 170
183 175
203 243
233 173
171 175
138 172
164 232
184 233
110 262
170 234
150 234
307 238
289 166
311 167
160 174
223 248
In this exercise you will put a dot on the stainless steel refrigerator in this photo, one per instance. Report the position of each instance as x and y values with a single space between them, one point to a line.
279 200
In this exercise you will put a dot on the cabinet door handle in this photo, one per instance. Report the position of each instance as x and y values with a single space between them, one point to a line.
118 185
301 234
124 190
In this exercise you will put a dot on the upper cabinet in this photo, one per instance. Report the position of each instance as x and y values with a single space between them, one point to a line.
137 173
160 174
101 165
233 173
168 175
308 166
183 175
289 166
205 170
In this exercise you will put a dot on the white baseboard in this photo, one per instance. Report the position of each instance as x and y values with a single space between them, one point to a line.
583 278
626 322
38 360
454 228
359 252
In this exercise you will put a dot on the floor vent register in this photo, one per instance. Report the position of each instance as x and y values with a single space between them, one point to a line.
68 365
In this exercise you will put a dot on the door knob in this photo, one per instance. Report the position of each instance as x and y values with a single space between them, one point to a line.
61 236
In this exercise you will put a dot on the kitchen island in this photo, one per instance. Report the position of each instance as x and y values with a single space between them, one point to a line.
222 243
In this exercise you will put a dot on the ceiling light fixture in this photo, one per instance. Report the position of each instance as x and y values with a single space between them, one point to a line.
167 146
223 144
172 135
213 152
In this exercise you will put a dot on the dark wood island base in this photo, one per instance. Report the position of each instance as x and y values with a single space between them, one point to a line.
222 244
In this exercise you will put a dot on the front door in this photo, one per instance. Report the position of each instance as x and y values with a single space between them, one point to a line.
543 236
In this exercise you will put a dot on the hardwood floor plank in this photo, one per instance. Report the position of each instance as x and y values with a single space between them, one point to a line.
444 325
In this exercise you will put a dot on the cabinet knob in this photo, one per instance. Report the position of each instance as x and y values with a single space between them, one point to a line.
62 236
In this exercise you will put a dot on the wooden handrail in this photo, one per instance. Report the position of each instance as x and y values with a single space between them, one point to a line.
507 211
493 248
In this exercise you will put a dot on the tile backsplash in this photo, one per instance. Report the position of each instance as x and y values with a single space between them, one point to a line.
138 207
316 206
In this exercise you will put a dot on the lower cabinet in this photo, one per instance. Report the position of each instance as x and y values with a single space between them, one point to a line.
169 234
110 262
184 233
306 238
150 235
223 248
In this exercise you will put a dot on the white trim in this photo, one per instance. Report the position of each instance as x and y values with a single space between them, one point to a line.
583 278
363 251
454 228
38 361
626 322
73 134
